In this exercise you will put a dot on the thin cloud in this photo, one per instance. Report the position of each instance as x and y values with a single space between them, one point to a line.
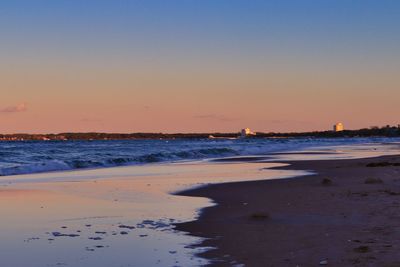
91 120
213 117
15 109
285 122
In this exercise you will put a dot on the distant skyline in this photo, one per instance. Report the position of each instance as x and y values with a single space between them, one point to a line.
198 66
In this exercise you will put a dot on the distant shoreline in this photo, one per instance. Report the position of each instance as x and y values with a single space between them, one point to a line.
387 131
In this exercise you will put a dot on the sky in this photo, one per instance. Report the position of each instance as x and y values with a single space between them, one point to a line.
198 65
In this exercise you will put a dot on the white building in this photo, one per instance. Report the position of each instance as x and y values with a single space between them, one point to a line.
338 127
246 132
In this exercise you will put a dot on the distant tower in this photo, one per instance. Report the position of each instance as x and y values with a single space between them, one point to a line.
338 127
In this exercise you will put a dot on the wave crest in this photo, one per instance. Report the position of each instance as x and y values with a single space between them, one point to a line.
109 161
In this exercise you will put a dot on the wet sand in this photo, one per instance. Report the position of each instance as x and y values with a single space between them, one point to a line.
349 219
117 217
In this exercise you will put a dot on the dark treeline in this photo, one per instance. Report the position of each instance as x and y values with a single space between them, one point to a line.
387 131
111 136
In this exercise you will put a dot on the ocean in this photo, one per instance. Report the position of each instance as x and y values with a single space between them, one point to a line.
26 157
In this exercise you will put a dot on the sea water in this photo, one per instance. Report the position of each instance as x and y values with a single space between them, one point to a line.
26 157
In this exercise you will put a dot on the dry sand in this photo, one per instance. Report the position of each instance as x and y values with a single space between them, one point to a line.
304 221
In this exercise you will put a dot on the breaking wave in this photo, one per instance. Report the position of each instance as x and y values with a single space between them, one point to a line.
49 165
47 156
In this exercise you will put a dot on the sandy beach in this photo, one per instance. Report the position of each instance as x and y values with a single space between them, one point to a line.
346 215
256 210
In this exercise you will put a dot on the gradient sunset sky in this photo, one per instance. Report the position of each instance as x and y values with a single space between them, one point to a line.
198 65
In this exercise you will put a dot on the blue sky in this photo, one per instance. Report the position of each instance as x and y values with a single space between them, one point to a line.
316 52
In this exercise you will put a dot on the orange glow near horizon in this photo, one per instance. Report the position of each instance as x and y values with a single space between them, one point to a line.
151 67
202 101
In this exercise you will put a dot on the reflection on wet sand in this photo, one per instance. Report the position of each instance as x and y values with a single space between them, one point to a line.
92 218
